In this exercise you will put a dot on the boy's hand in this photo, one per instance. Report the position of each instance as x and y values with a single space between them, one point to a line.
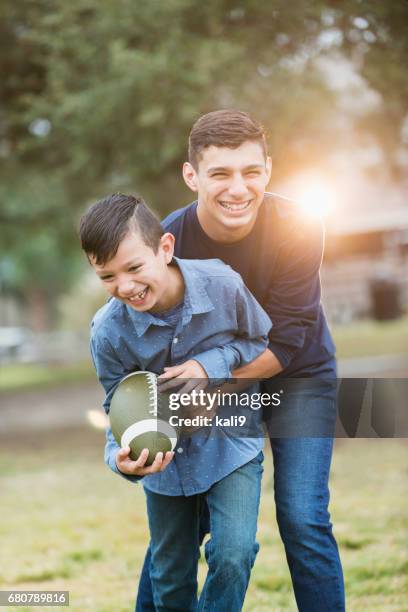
191 370
137 468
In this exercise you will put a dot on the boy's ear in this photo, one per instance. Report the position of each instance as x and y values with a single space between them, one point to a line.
190 176
167 246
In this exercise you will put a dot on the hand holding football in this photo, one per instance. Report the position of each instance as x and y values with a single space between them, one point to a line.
139 417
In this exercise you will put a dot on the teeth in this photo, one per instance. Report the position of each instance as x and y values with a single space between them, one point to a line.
232 206
139 295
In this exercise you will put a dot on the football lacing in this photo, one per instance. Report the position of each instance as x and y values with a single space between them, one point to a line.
153 395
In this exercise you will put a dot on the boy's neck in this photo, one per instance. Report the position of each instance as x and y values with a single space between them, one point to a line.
175 290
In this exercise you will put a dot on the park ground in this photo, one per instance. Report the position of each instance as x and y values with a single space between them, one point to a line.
69 523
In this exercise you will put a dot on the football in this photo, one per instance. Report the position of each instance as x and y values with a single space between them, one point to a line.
139 416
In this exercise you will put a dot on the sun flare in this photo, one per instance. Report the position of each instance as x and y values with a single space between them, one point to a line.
316 197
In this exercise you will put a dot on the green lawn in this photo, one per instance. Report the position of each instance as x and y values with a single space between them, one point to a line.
367 338
29 375
69 523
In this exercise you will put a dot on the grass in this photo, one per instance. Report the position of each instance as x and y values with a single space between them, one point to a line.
368 338
30 375
70 524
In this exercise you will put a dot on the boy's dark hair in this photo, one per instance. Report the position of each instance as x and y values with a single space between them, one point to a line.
223 128
106 223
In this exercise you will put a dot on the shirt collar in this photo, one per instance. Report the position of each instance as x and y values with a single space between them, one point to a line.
196 299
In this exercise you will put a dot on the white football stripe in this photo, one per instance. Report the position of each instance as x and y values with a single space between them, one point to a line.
146 426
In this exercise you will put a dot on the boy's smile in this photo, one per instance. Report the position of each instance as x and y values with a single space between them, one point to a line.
141 278
231 185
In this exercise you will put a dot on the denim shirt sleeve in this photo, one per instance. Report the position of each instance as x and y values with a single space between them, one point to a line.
253 325
294 300
110 372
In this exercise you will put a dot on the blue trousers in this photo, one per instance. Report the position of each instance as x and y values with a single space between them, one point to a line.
231 507
301 475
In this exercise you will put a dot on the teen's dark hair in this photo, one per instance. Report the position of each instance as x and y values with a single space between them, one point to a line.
106 223
223 128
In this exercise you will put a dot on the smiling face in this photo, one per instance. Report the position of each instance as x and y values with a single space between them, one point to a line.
141 278
231 185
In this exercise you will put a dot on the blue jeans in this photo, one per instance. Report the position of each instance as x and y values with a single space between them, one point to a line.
231 505
301 467
301 474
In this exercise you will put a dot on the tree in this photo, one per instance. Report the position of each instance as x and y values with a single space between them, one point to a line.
100 96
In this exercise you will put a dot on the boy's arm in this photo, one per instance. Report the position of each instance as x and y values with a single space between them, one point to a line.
264 366
253 325
217 364
110 372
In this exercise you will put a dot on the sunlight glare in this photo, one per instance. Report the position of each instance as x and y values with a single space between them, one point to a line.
317 198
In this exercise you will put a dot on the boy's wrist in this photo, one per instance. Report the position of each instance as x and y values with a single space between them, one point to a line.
214 363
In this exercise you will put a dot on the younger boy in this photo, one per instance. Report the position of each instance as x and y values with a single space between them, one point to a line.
196 320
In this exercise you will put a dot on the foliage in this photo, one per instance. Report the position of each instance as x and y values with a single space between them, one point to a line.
100 96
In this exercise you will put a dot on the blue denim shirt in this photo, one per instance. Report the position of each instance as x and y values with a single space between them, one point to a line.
222 327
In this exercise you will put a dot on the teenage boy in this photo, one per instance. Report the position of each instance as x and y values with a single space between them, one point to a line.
278 253
199 318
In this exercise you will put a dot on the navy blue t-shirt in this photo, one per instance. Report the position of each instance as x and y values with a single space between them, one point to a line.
279 261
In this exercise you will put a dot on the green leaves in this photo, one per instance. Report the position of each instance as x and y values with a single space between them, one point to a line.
100 96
